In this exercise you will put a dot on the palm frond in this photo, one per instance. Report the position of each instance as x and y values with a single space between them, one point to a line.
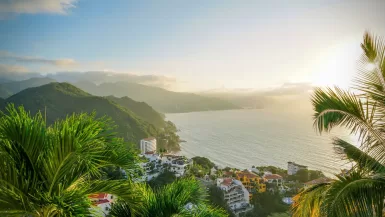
363 160
342 108
355 195
309 201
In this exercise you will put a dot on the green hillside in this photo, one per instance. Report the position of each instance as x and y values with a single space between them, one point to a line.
7 89
2 102
62 99
160 99
141 109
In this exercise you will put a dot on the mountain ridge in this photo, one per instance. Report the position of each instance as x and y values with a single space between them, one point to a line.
160 99
61 99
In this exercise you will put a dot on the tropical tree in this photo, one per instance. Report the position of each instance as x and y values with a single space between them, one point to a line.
50 170
361 192
184 197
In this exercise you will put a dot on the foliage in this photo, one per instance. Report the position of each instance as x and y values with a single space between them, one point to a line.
283 214
57 100
361 192
171 200
163 179
273 170
46 171
267 203
203 162
167 137
305 175
141 109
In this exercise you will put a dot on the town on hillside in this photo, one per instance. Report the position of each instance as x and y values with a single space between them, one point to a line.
238 188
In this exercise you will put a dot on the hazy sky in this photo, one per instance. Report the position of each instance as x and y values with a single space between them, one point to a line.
203 44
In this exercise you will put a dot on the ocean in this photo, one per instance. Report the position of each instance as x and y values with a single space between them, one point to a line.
243 138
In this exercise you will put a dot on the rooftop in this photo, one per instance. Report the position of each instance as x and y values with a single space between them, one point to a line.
95 203
149 139
98 196
319 181
227 182
150 152
247 175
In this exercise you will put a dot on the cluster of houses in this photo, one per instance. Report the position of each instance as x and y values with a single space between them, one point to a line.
155 163
238 187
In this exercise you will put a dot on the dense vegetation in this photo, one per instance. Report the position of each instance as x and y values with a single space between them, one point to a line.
160 99
9 88
51 171
141 109
266 204
46 171
361 191
57 100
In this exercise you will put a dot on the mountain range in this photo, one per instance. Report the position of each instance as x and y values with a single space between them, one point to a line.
8 88
57 100
160 99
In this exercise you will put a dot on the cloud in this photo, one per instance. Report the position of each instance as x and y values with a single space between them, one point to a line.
107 76
16 72
38 60
36 6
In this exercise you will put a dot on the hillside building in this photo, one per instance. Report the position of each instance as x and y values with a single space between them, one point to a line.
148 145
293 168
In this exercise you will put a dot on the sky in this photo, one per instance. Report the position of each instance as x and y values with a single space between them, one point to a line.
198 44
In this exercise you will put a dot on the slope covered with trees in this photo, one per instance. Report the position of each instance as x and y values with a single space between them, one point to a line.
141 109
57 100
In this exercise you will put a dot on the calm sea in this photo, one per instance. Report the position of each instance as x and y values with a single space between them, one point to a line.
242 138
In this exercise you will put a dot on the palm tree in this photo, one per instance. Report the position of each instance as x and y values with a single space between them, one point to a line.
362 191
49 171
172 200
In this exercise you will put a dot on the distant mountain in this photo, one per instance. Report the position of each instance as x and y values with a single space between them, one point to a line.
141 109
9 88
160 99
62 99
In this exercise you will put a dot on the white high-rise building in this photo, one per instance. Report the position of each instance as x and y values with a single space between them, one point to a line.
147 145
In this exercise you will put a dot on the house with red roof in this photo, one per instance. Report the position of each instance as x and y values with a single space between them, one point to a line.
101 203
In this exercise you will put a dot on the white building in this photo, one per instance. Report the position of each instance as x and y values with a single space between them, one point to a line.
213 171
293 168
101 203
235 194
274 179
147 145
152 168
176 164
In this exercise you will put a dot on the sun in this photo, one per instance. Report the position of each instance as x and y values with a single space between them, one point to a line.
337 66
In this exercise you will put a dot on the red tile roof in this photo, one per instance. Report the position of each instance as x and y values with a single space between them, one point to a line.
227 182
95 203
98 196
247 175
319 181
273 176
